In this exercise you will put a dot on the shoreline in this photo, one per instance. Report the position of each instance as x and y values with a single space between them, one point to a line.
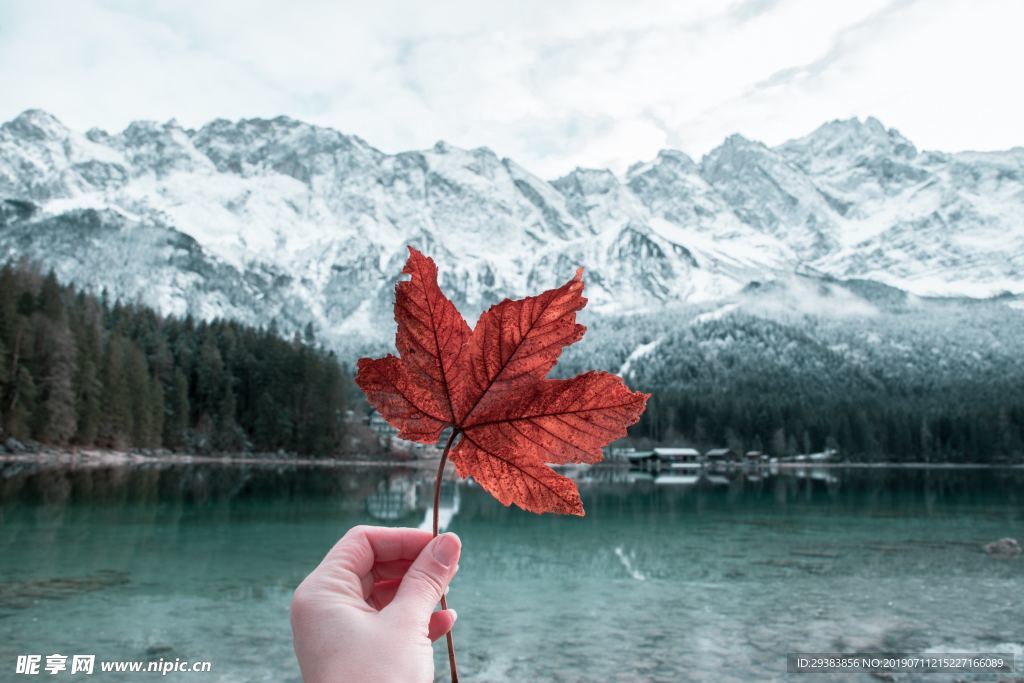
104 458
108 458
894 465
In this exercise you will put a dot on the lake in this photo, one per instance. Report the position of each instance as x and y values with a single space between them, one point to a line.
711 582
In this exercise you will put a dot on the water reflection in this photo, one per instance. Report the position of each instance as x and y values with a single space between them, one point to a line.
396 497
403 495
408 497
720 576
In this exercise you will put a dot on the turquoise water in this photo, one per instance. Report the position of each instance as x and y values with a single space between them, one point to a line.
710 582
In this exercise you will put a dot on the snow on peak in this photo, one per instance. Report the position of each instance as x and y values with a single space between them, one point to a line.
279 219
37 124
852 138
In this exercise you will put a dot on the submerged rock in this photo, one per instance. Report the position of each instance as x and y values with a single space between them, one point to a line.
25 594
1004 547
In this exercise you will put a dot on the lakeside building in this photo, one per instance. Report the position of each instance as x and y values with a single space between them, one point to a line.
684 459
720 456
618 453
681 456
387 437
376 422
641 459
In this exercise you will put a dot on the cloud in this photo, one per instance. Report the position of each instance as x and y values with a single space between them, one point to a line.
552 85
846 42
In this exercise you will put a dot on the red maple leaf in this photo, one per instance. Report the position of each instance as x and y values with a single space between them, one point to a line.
490 385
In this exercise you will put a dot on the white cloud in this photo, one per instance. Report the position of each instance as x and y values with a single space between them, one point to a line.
553 85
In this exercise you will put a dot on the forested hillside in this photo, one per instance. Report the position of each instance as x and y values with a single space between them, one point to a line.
854 366
931 380
79 370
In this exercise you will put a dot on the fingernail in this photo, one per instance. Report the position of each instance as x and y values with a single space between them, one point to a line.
446 548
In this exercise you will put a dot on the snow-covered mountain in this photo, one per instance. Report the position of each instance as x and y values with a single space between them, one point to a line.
278 219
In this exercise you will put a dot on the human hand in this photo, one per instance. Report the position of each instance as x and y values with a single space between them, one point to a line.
366 613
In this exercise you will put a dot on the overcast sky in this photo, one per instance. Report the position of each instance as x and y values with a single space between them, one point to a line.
553 85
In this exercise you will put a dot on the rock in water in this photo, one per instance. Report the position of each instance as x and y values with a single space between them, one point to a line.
1003 548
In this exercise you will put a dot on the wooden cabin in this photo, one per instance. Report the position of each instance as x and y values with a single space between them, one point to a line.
720 456
678 460
643 460
670 456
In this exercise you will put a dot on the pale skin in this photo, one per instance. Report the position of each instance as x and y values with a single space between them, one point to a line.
367 612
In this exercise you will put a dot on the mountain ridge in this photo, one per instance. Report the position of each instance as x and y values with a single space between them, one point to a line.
262 219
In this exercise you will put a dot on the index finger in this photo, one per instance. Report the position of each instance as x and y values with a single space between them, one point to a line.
364 546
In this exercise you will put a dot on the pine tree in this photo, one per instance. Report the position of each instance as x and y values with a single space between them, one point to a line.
56 417
116 422
88 387
227 436
4 373
21 404
179 418
137 379
20 400
210 379
50 295
270 425
157 413
8 306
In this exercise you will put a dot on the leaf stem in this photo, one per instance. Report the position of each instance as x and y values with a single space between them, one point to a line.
437 501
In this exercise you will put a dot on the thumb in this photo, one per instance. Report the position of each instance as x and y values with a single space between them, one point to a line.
427 579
